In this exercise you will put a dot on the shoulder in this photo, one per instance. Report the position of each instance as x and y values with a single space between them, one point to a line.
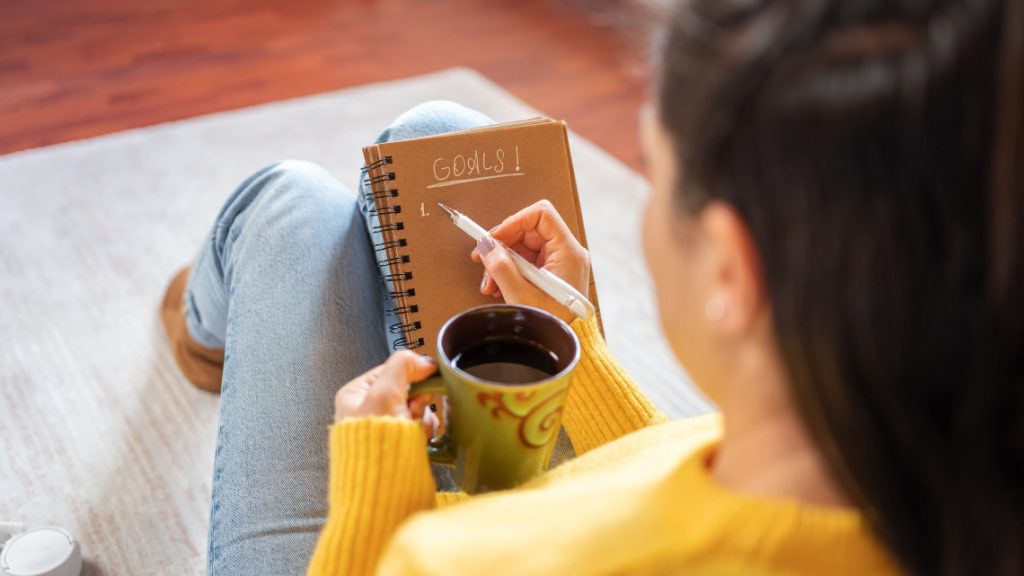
598 514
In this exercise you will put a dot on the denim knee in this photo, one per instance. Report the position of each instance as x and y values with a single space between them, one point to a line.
433 117
303 191
303 186
301 179
426 119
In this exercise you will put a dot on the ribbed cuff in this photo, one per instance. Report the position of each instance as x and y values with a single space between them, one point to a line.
379 477
604 403
449 498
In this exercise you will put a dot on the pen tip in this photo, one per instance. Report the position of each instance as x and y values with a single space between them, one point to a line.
450 212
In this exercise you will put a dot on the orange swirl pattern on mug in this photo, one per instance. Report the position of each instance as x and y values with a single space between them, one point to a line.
539 415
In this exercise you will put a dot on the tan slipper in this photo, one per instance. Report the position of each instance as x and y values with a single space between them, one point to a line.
201 365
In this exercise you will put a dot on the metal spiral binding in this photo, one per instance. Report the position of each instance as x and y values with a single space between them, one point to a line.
398 327
386 210
371 195
391 226
380 178
396 294
411 309
389 244
377 164
402 259
392 265
409 343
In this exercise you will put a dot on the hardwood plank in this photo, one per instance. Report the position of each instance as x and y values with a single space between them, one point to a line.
71 69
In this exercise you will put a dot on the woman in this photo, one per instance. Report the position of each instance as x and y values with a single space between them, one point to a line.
834 234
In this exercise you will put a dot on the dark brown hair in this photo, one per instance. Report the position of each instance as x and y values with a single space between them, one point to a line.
874 149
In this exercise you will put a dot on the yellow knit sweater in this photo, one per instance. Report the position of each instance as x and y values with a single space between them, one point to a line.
639 499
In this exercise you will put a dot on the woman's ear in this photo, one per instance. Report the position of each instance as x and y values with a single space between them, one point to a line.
735 295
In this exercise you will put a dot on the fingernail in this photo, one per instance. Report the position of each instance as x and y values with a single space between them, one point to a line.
426 359
483 281
485 245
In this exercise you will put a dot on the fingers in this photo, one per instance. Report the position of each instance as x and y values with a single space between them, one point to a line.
390 393
541 237
532 256
405 367
423 409
370 376
504 273
418 404
350 397
487 285
533 226
430 423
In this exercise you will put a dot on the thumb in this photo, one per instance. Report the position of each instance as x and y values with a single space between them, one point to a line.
499 265
390 392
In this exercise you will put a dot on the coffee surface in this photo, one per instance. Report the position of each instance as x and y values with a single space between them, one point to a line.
508 362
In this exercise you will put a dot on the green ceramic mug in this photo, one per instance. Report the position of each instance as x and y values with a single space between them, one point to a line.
505 371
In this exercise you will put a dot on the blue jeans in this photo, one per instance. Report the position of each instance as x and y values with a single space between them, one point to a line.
288 285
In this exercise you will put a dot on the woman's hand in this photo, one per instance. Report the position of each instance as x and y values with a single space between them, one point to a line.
384 391
539 235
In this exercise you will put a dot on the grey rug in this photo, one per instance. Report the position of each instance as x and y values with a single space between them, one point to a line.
98 431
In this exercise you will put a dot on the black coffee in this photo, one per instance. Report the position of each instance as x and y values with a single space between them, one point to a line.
508 362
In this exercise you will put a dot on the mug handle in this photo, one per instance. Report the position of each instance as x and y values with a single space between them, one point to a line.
439 449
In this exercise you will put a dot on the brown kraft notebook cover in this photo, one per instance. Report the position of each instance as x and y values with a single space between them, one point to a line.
487 174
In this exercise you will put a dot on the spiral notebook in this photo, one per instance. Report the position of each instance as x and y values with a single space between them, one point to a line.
487 174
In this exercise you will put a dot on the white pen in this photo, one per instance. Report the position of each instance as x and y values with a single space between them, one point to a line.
552 285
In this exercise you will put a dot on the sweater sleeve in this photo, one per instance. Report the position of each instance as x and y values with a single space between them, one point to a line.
604 403
379 476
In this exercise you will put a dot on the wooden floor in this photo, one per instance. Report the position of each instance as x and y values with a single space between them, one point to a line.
72 69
